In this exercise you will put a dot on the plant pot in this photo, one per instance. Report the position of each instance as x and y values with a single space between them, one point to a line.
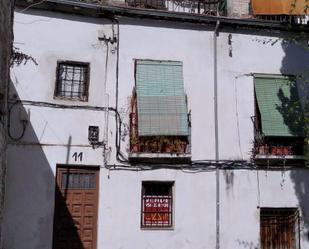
183 148
275 151
167 149
285 150
134 148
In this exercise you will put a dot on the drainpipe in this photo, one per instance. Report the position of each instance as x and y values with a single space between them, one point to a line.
216 137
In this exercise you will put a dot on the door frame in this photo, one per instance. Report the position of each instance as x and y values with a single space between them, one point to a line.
78 168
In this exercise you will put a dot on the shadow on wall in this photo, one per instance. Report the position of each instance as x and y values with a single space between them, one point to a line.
30 192
291 109
296 62
301 185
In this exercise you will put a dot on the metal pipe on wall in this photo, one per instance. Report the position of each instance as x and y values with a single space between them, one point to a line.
216 136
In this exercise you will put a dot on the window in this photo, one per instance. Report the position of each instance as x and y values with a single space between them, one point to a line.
78 180
157 205
279 117
279 228
159 118
72 80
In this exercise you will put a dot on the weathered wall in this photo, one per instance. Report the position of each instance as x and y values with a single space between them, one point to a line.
238 8
5 49
53 135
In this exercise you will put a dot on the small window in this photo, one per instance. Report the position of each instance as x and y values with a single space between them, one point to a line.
72 80
157 205
279 228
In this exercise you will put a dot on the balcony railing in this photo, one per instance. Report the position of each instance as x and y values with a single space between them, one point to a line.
284 19
279 152
276 149
157 144
206 7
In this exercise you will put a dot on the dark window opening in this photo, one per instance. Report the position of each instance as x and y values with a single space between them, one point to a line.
157 205
72 80
279 228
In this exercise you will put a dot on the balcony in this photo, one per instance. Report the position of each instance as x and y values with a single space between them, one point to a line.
157 149
285 149
284 11
268 10
202 7
278 151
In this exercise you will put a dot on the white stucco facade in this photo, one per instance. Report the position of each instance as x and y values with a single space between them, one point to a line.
53 135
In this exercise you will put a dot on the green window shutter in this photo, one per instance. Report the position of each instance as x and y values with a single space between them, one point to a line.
279 105
161 101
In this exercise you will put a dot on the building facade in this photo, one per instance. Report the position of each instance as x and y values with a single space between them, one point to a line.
135 128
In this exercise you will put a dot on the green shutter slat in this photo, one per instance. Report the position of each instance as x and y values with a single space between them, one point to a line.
161 101
279 106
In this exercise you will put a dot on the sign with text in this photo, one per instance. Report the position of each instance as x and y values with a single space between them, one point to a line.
157 211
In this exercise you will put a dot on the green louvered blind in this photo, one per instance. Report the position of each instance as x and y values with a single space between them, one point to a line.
279 105
161 101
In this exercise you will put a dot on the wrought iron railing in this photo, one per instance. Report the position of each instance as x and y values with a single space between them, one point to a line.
284 19
207 7
158 144
275 146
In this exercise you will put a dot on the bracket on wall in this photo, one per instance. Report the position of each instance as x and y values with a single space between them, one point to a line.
93 137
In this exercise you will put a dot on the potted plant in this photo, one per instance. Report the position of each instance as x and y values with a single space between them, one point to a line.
166 145
134 144
180 146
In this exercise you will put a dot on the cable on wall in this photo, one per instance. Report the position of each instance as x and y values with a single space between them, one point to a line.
119 156
24 125
195 166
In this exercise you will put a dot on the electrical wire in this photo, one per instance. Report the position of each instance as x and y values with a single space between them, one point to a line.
119 156
24 124
52 105
192 166
237 118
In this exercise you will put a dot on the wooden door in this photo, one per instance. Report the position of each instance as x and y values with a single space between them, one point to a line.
76 208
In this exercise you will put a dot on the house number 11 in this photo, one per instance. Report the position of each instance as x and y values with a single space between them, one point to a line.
78 156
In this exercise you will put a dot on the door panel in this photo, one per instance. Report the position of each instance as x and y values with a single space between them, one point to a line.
76 207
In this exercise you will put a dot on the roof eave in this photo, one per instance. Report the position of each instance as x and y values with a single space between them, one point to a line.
108 11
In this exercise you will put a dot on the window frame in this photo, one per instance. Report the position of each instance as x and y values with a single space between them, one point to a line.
177 84
164 144
85 94
274 213
257 121
143 226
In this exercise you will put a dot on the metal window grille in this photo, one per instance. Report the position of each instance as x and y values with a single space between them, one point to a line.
279 228
72 80
77 180
157 205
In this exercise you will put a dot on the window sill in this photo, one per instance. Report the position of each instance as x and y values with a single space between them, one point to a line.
278 161
145 157
279 157
75 99
158 228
